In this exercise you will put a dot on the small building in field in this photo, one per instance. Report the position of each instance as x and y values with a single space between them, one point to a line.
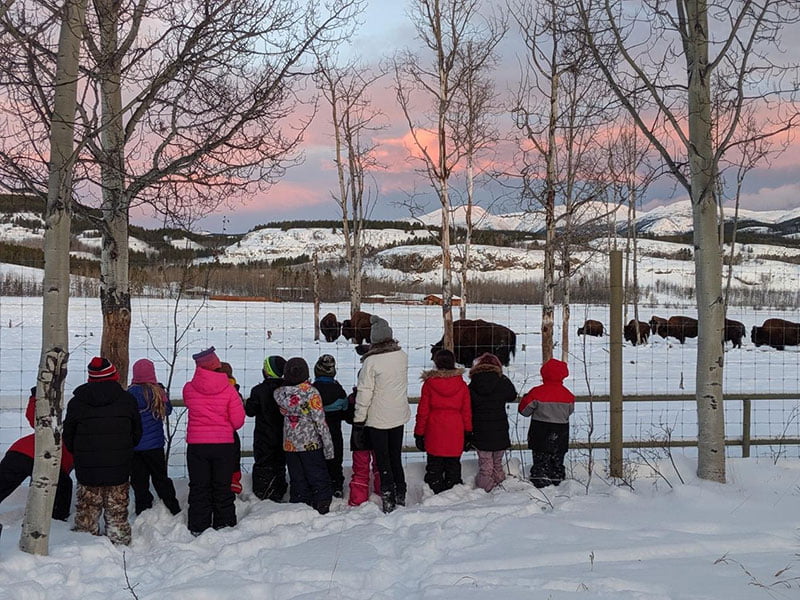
436 300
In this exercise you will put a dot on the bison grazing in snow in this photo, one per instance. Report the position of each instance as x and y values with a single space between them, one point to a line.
471 338
777 333
357 327
677 327
629 332
734 332
330 327
591 327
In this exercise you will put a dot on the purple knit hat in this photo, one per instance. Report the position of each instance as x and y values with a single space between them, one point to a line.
144 371
207 359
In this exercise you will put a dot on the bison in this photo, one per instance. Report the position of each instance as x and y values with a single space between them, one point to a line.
591 327
473 338
677 327
330 327
629 332
734 332
777 333
357 327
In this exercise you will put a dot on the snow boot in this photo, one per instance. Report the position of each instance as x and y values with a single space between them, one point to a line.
389 502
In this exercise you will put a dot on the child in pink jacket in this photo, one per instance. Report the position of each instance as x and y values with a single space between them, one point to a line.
215 413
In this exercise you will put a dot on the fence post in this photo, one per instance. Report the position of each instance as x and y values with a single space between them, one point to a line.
615 365
315 266
746 417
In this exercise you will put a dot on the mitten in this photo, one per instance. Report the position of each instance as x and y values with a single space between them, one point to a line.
468 441
419 441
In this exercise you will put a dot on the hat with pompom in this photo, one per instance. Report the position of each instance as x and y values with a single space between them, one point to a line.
101 369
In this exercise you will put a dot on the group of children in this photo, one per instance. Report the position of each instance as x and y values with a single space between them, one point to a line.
115 437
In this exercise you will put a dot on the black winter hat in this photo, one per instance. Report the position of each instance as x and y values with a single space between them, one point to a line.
444 360
273 366
325 367
296 371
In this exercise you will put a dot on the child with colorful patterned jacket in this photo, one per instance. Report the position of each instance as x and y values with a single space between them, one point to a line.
334 403
149 461
306 438
549 405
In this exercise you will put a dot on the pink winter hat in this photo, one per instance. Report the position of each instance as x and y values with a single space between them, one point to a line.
144 371
207 359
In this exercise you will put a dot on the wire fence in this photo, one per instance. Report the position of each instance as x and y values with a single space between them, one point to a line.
244 333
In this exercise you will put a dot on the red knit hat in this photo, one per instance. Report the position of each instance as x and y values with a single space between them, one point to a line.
207 359
101 369
144 371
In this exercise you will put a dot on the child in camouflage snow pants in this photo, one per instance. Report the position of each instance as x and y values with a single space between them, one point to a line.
113 500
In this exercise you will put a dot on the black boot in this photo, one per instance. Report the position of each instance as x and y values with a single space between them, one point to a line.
389 501
400 499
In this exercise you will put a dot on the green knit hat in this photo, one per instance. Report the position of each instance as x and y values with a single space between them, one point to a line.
273 366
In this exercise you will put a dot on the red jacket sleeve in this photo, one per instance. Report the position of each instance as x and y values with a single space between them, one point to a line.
30 411
526 401
423 410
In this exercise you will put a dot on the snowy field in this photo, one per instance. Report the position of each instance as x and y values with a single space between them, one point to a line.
588 539
245 332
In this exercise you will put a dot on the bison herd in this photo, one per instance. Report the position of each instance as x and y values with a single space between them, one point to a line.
471 338
777 333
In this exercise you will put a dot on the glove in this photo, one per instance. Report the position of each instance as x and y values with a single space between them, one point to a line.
468 441
419 442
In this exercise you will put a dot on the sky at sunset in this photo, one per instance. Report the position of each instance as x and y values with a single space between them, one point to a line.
305 191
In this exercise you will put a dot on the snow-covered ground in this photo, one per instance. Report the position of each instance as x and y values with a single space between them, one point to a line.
588 540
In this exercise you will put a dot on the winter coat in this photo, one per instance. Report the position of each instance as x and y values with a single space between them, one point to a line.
27 445
304 427
444 412
268 430
489 392
334 398
359 440
550 402
152 426
215 408
382 399
101 428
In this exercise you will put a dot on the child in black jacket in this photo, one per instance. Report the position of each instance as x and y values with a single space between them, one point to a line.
334 402
101 429
490 391
269 468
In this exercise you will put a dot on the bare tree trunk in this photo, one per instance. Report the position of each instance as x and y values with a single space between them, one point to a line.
635 239
708 255
447 271
315 280
35 534
467 238
548 300
566 276
115 298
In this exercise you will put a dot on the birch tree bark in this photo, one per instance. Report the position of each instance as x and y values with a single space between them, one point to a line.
55 304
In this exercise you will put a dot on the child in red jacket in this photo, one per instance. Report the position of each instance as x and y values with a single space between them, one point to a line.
17 466
444 421
549 405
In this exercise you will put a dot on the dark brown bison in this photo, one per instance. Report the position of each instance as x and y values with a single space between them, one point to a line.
629 332
777 333
734 332
473 338
357 327
677 327
655 325
330 327
591 327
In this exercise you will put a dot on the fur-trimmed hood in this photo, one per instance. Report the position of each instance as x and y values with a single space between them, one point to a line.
381 348
442 373
485 368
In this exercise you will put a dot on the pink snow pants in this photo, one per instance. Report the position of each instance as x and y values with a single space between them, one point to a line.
490 469
359 482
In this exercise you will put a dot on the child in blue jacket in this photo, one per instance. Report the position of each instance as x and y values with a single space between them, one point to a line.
149 461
